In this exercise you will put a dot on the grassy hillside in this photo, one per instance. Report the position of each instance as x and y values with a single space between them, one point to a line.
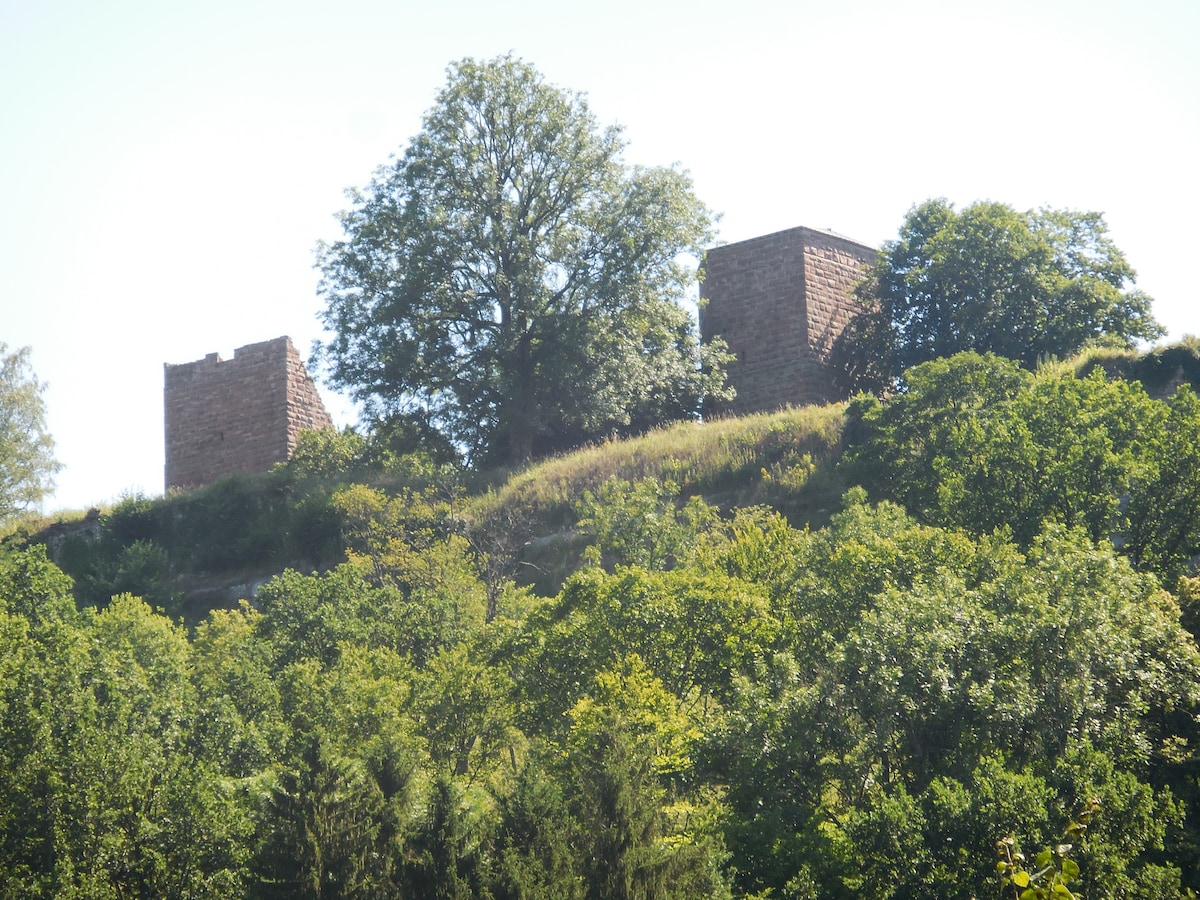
192 551
848 652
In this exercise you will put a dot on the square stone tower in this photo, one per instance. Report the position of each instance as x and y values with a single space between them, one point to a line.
780 301
238 415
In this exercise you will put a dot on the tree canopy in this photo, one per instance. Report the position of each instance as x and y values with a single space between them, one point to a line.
976 442
27 463
1023 285
511 282
707 702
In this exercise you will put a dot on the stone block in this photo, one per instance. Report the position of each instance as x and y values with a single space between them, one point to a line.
781 301
224 417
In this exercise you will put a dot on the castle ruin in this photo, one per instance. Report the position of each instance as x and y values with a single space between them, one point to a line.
241 415
780 301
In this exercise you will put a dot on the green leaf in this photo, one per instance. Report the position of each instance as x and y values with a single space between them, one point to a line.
449 301
1020 879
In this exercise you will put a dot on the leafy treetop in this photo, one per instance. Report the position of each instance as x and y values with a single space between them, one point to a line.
27 463
1023 285
511 283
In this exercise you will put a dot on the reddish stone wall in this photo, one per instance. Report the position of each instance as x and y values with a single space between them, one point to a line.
238 415
780 301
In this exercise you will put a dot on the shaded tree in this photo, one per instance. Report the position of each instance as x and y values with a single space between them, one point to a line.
445 855
534 852
321 823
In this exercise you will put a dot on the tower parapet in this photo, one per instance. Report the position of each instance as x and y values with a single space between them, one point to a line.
237 416
780 301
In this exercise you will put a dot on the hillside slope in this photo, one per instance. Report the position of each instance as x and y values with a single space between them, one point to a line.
625 673
208 548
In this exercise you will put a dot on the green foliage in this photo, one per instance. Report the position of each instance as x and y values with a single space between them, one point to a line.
27 463
695 632
382 527
642 523
936 687
394 449
734 707
990 279
465 714
232 523
97 716
1053 870
535 852
126 559
509 282
325 453
976 443
140 568
1160 369
240 722
445 857
321 828
1164 528
410 546
636 843
241 523
312 616
35 589
730 462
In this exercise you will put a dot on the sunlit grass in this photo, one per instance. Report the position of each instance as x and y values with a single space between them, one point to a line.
764 458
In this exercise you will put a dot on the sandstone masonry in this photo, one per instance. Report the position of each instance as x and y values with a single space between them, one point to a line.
240 415
780 301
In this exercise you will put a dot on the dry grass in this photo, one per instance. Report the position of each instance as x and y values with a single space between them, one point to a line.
771 458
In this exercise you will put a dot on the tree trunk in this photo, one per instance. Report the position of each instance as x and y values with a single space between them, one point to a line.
521 422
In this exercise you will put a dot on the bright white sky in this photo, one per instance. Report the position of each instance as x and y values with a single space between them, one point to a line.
166 168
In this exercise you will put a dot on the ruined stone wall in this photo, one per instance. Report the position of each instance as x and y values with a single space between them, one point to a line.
240 415
780 301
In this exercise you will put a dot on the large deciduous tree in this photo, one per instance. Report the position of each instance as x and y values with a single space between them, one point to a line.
27 463
509 280
1023 285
